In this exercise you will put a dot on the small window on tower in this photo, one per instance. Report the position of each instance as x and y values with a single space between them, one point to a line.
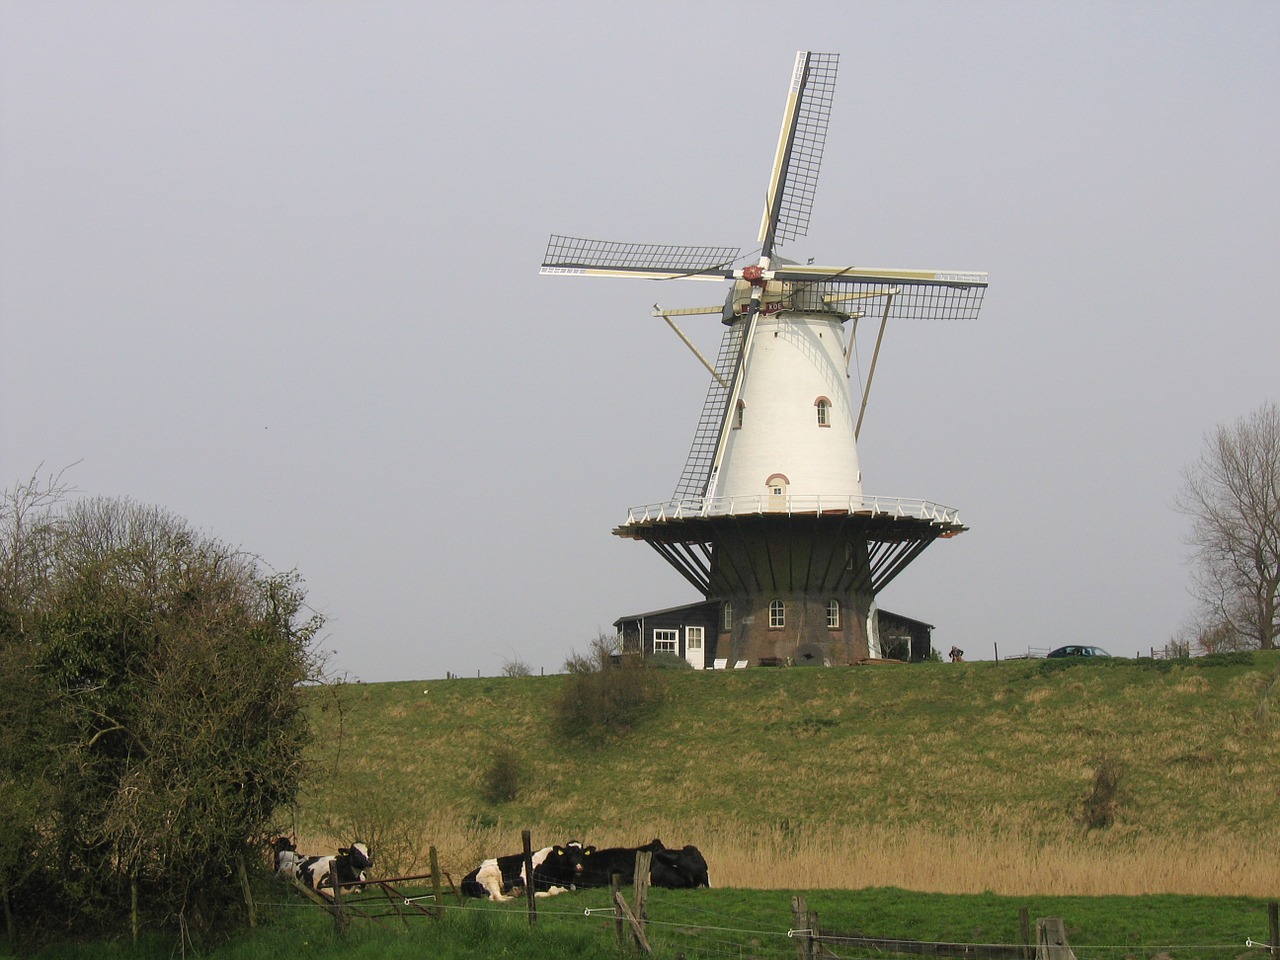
777 615
728 615
823 406
737 415
833 614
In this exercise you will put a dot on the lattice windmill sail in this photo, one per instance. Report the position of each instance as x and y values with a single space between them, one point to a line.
769 514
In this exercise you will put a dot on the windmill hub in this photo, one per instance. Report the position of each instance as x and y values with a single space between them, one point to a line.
769 520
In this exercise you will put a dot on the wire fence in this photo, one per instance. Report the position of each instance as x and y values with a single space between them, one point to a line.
685 924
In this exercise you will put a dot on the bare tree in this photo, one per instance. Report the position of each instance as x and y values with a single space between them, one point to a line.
1232 494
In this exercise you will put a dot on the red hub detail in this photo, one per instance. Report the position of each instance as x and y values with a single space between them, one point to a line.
753 275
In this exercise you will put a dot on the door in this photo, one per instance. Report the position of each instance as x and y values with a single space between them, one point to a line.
693 647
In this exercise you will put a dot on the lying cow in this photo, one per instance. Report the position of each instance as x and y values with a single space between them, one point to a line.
555 870
601 864
679 869
675 869
286 857
347 869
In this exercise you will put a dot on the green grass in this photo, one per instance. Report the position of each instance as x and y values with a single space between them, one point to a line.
1010 745
775 758
712 924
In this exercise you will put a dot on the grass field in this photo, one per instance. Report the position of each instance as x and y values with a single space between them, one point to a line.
962 779
725 924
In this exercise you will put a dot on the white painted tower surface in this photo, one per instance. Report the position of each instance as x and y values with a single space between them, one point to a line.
791 443
769 520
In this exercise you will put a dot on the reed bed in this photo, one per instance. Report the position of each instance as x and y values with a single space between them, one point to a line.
851 857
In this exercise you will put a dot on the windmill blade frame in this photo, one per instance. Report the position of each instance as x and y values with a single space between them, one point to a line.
577 256
798 158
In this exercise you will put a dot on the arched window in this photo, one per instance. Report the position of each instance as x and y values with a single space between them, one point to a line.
737 415
823 406
728 615
833 614
777 614
777 485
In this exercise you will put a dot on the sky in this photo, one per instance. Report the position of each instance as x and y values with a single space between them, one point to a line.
273 266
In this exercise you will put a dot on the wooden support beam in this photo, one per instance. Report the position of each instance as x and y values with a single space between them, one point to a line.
637 930
1051 940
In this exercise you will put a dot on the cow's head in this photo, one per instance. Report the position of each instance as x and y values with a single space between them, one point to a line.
358 856
575 854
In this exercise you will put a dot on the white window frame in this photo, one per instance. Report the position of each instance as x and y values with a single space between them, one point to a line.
665 637
824 411
777 614
694 638
728 615
833 614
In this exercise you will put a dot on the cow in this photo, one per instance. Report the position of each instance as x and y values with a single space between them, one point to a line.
600 865
285 852
346 868
555 870
679 869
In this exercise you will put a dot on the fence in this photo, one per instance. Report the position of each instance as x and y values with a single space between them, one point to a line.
701 932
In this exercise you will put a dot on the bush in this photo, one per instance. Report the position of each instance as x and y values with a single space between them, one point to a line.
667 661
516 667
501 782
161 671
1103 801
607 702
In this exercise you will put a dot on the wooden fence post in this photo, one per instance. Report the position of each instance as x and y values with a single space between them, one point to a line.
641 883
800 925
528 876
339 915
244 886
615 891
1273 918
637 930
1051 940
1024 921
434 861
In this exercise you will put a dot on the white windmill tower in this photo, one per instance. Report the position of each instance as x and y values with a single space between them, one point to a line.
769 518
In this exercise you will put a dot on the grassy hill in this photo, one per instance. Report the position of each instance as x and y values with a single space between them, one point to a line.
959 778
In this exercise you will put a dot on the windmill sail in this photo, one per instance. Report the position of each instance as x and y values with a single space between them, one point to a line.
799 156
697 468
575 256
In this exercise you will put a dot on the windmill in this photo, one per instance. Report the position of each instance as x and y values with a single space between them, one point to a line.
768 519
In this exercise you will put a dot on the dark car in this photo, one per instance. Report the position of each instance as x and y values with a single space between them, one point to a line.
1077 651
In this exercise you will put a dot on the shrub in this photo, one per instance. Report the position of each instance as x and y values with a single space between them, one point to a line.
501 781
1100 806
667 661
607 702
164 673
516 667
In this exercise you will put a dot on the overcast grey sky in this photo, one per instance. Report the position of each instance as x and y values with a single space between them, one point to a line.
273 266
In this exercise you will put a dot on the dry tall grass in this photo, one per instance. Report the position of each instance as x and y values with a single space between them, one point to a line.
842 856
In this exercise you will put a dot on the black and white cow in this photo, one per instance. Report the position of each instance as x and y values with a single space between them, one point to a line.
679 869
599 865
348 867
286 856
555 870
